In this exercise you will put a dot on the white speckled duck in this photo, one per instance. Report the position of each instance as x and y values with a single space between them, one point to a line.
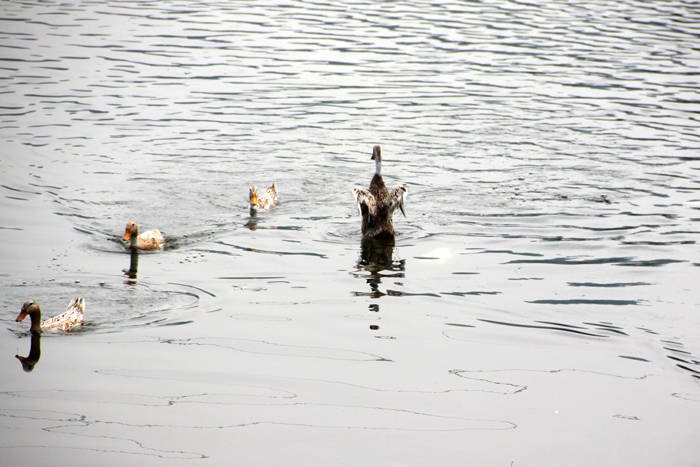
264 200
72 317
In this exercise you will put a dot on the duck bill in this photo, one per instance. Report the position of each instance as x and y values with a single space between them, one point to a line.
22 314
127 235
402 211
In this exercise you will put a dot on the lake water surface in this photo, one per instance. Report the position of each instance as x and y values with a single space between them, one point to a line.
540 305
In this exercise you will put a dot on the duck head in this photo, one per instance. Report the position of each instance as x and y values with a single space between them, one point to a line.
132 230
32 309
377 158
253 195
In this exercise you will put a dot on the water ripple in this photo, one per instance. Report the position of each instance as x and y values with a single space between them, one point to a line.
549 150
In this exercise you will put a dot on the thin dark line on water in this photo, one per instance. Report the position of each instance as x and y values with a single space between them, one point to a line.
585 302
554 323
608 284
652 263
273 252
510 252
19 190
554 328
554 371
244 278
474 292
258 346
618 261
630 357
194 287
460 325
571 261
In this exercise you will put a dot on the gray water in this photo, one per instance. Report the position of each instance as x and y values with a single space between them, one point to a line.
539 307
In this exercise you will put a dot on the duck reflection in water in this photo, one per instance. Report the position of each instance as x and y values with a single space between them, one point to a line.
32 359
133 264
376 258
252 223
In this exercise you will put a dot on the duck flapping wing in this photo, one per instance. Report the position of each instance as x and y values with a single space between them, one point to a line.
364 198
397 198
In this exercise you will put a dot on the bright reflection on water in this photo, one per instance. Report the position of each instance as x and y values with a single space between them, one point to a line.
545 275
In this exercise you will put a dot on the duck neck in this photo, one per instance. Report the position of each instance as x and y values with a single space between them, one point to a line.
378 165
134 240
35 316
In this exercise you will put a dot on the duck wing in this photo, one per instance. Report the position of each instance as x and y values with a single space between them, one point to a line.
364 198
150 240
271 194
264 200
73 316
396 199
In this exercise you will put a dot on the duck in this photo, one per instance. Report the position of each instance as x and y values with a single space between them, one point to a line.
149 240
266 200
377 204
72 317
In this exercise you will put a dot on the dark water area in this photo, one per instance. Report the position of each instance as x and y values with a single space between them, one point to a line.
540 303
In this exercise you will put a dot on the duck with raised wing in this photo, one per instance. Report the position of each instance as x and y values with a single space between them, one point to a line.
264 200
149 240
377 204
72 317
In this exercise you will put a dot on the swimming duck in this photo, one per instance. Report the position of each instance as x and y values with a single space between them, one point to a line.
265 200
73 316
150 240
377 204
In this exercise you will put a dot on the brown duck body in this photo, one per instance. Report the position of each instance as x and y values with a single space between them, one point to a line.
377 204
380 224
